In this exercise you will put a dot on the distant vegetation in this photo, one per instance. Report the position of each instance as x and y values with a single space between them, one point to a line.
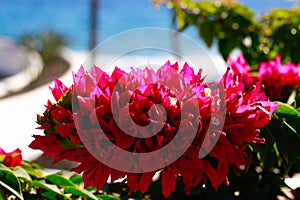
48 43
231 25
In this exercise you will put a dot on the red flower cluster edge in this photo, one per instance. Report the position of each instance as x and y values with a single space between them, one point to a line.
245 113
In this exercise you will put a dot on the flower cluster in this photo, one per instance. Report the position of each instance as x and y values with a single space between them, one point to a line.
11 159
278 79
142 111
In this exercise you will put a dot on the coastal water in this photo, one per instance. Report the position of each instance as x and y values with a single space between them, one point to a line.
71 17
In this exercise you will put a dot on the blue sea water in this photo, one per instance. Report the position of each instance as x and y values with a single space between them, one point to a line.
71 17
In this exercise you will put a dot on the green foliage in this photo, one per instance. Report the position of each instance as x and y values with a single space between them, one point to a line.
31 181
285 130
10 181
48 43
234 25
281 33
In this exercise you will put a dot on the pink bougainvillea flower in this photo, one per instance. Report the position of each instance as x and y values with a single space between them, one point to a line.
239 65
11 159
156 100
59 89
241 68
279 79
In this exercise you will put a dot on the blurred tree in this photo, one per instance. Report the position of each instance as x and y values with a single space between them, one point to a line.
94 15
233 25
48 43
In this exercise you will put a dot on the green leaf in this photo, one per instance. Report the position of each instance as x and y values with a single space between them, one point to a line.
31 165
107 197
208 7
22 173
226 46
66 174
206 32
286 109
33 169
48 187
12 190
297 100
10 181
286 141
59 180
289 116
44 185
293 122
79 192
66 143
76 179
66 99
52 195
